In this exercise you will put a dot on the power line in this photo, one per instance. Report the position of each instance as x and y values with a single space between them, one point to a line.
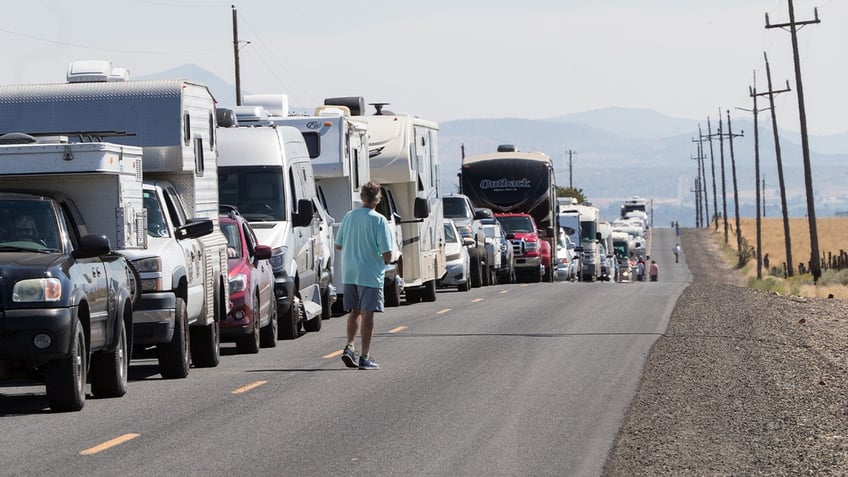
111 50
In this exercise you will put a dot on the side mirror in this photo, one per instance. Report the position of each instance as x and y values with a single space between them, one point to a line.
92 245
304 214
195 228
510 236
262 252
467 241
598 236
422 208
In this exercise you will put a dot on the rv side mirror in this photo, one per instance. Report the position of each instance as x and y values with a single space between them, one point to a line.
195 228
92 245
467 241
262 252
304 214
422 208
598 236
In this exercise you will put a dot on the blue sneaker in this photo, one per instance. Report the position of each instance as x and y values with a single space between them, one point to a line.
349 357
365 362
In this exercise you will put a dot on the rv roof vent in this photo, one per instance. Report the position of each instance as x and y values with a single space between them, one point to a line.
250 113
356 104
119 74
332 111
88 71
17 138
506 148
226 118
379 107
276 105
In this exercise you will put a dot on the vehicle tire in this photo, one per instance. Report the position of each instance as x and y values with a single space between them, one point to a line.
268 335
464 287
536 276
476 273
109 368
326 307
429 292
206 340
486 275
174 358
494 277
289 327
249 344
65 378
548 277
313 325
413 296
391 295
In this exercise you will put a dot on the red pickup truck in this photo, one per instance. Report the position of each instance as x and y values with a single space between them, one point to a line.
531 254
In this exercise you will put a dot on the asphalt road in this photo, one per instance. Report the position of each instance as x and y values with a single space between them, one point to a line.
519 379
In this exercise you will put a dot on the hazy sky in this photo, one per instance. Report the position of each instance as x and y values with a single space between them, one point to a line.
455 59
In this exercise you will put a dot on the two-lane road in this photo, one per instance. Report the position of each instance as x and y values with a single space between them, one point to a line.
519 379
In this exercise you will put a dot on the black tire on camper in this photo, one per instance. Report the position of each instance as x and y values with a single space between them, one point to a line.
428 293
174 358
391 295
66 378
205 341
326 307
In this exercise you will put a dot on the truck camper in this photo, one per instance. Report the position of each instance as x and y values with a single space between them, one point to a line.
404 159
589 243
183 270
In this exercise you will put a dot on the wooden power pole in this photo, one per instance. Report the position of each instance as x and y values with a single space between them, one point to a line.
815 258
236 56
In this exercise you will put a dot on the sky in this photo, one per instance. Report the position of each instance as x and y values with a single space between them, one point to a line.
455 59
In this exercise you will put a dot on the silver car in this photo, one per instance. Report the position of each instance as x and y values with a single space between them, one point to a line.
458 261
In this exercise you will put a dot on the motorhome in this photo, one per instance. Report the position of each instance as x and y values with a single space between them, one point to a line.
510 181
404 159
183 273
589 243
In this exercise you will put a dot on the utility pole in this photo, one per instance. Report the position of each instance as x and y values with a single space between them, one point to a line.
570 181
723 182
752 91
815 258
712 166
790 268
706 220
697 191
236 55
735 187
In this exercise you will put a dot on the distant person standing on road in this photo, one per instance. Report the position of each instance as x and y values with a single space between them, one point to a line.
654 271
676 251
640 269
365 241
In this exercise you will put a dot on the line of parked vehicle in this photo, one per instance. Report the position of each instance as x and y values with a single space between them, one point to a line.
161 226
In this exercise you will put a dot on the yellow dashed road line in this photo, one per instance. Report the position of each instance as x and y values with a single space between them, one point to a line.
395 330
250 386
441 312
109 444
476 300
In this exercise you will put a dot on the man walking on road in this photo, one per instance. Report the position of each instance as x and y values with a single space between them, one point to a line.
365 240
676 251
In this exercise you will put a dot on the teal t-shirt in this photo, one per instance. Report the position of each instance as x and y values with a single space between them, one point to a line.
364 236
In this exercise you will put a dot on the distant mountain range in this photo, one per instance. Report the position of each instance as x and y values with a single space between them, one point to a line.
620 152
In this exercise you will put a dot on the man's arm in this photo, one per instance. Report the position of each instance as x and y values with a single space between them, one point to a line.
387 257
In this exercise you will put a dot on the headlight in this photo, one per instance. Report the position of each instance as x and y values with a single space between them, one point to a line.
238 283
152 264
531 246
151 284
37 289
277 259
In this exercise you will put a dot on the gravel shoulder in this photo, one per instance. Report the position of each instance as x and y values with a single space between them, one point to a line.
742 383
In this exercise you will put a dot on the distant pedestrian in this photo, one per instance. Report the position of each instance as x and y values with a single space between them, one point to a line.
677 228
676 251
766 261
365 240
640 269
654 272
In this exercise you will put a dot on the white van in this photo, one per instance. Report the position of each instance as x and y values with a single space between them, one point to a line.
266 174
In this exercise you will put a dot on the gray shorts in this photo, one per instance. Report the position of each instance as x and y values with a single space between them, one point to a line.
357 297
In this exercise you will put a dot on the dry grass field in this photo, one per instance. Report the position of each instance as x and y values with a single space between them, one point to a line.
833 238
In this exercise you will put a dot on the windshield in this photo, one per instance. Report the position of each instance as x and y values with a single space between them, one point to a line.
28 224
256 191
519 224
231 231
455 208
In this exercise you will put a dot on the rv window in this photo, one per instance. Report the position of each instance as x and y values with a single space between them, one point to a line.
212 130
313 144
295 195
198 157
186 128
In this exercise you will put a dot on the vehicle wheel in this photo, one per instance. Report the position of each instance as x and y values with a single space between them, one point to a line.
429 291
464 287
391 295
313 325
326 307
66 378
205 345
174 356
494 277
476 273
109 369
268 335
548 277
536 276
250 344
291 321
413 296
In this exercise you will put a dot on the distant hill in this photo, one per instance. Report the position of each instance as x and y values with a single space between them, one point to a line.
622 152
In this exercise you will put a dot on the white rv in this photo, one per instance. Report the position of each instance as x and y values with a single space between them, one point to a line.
183 270
589 244
266 174
405 161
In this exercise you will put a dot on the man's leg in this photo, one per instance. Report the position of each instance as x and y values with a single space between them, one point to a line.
367 322
354 320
